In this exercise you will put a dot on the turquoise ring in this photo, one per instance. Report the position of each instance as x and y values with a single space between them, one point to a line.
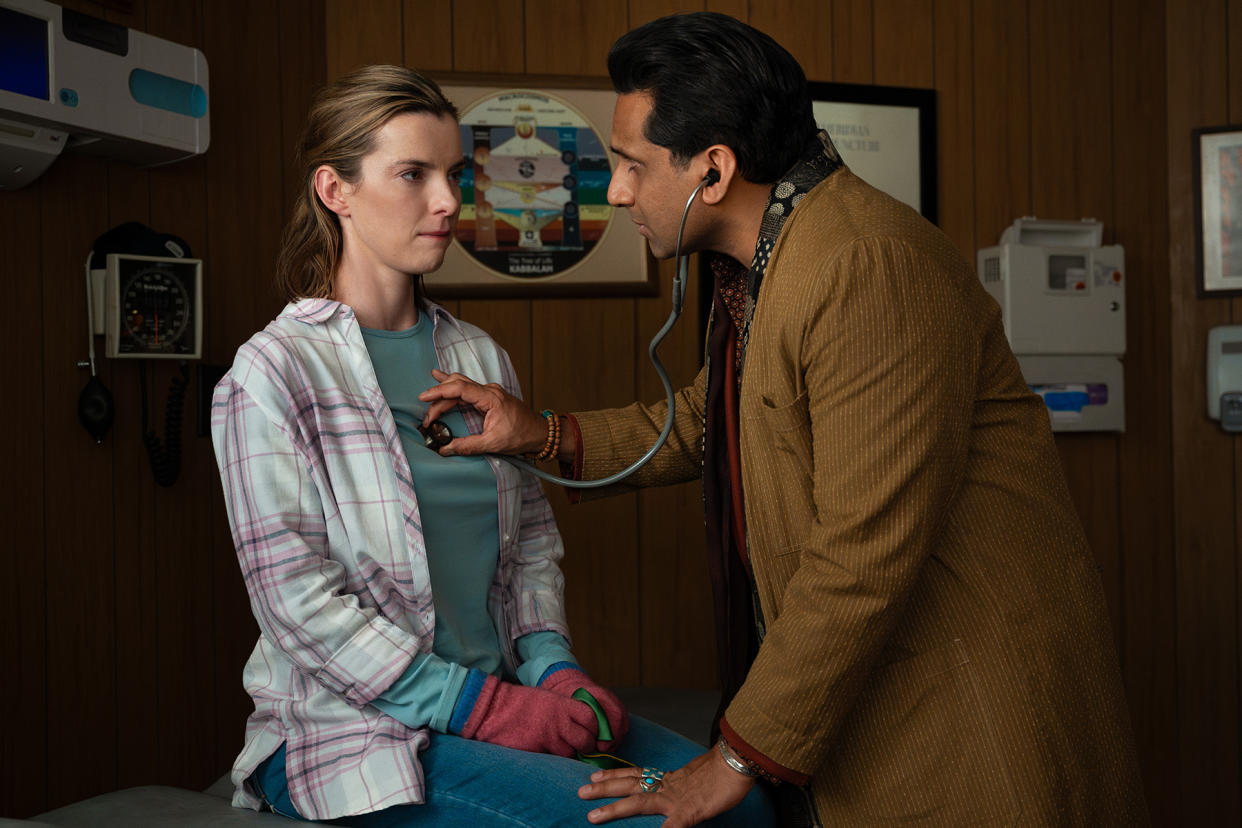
650 780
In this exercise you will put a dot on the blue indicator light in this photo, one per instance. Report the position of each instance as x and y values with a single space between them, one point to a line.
163 92
69 97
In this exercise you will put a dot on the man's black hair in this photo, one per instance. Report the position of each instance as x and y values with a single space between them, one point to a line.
714 80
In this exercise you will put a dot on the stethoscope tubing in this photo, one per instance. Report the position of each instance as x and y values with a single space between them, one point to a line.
679 293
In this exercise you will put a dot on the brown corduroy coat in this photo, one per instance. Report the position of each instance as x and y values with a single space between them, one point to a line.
937 647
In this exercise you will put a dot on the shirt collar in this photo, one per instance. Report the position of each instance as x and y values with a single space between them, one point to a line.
319 311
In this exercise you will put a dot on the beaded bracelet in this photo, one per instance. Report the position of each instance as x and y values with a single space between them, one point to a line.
555 422
743 765
553 444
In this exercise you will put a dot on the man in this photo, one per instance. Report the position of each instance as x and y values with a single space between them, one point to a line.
912 624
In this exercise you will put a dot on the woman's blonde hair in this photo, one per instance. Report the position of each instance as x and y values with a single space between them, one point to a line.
340 131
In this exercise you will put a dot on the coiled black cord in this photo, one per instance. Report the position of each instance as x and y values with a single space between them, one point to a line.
165 457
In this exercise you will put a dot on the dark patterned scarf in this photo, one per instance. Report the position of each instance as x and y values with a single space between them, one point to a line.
738 285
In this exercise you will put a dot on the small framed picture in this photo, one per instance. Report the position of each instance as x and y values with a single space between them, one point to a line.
1218 209
886 135
535 218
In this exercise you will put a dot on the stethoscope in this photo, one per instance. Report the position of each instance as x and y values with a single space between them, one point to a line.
437 434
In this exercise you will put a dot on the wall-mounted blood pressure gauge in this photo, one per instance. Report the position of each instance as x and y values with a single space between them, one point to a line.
154 307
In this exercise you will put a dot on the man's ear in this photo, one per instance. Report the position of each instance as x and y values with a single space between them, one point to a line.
332 190
720 159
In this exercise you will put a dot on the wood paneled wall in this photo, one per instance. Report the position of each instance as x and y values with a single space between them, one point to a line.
1204 86
124 620
125 624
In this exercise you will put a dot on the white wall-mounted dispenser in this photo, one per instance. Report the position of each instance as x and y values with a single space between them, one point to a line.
68 80
1062 298
1224 376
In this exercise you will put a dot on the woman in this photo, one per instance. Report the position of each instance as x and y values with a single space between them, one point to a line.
413 664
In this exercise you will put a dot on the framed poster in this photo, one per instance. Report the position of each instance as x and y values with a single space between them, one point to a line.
535 218
886 135
1218 210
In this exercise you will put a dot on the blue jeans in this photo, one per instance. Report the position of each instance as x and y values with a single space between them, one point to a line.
482 785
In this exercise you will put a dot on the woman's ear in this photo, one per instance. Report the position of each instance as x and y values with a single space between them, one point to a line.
332 190
723 163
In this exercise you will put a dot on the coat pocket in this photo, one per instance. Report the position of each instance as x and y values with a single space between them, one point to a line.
920 747
777 474
779 434
779 417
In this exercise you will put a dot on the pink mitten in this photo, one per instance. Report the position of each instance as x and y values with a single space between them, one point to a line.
527 718
565 682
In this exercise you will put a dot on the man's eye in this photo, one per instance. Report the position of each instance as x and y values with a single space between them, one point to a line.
455 176
412 175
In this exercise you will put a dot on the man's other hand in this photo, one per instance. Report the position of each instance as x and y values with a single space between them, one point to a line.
705 787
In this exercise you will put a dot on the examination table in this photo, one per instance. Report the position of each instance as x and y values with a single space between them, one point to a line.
155 806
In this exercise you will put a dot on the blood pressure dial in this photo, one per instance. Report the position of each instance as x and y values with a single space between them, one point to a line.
154 307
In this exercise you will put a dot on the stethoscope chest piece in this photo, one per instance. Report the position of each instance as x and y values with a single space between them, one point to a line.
436 435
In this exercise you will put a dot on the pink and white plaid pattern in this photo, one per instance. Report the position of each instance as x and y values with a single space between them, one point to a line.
326 525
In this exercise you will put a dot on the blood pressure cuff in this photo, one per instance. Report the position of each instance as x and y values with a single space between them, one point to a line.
136 239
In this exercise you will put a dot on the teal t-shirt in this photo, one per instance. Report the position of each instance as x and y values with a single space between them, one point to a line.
456 500
459 512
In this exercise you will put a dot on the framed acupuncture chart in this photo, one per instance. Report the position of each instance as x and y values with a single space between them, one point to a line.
886 135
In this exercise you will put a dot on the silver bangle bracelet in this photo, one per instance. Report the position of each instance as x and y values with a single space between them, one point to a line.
726 753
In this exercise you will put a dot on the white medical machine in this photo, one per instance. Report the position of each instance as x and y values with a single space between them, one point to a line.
1062 296
1224 376
68 80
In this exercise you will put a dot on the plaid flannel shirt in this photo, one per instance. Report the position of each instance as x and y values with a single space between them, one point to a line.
326 525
